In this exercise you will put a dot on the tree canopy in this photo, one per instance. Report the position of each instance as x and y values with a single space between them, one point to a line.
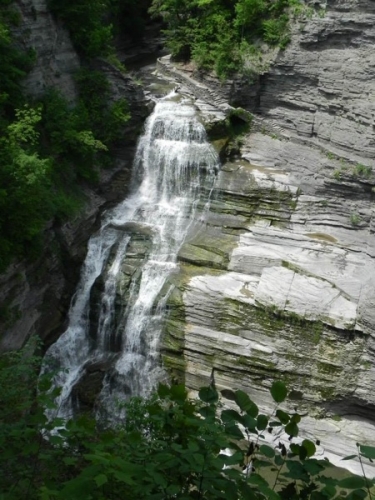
221 34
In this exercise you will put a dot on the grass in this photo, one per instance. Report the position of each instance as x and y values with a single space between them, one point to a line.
355 219
337 174
362 170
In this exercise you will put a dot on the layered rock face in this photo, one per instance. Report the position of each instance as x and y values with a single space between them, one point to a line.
280 284
323 86
56 59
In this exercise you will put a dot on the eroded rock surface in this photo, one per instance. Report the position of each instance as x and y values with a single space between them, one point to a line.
280 282
55 57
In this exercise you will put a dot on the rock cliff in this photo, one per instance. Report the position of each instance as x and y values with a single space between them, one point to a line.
55 57
35 296
279 284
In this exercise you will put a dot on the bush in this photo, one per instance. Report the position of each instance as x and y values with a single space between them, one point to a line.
213 33
170 447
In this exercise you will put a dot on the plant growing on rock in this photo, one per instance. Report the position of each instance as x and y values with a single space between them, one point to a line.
214 32
362 170
355 219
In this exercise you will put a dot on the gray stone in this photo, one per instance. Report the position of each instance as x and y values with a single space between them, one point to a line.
296 299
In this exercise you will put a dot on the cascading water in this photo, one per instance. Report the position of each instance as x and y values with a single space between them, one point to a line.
173 169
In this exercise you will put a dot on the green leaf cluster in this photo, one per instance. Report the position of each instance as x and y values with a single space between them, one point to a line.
170 447
48 148
219 34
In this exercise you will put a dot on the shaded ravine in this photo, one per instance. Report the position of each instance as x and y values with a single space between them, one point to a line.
173 171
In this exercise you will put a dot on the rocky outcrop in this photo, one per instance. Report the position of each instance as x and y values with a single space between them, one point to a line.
322 86
55 57
279 283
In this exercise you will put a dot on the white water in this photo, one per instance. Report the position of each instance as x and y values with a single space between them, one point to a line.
174 164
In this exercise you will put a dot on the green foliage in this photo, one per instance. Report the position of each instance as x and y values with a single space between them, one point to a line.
362 170
14 64
355 219
170 447
92 23
215 33
85 19
44 151
129 17
107 120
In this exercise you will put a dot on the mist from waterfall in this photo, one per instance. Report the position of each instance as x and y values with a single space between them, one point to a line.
173 171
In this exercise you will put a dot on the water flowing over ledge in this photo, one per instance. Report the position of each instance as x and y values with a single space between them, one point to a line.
173 171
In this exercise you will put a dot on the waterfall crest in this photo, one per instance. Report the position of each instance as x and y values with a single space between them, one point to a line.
173 171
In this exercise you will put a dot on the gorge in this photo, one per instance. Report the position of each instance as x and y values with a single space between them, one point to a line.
273 280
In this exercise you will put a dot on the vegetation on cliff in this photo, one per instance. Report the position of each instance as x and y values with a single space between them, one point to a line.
93 23
49 148
224 35
171 447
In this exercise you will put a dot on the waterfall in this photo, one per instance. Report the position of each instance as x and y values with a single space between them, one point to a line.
172 173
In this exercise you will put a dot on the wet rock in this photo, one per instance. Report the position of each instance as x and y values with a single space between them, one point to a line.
86 390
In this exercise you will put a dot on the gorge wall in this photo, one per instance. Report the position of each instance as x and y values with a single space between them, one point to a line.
35 296
280 283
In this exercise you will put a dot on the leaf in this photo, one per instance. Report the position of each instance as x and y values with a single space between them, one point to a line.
228 416
274 423
100 480
235 459
296 418
257 479
282 416
318 495
350 457
163 391
245 403
262 422
208 412
309 447
367 451
208 395
279 460
267 451
296 471
292 429
233 431
352 483
357 495
295 448
330 491
313 467
269 494
278 391
249 422
173 490
178 393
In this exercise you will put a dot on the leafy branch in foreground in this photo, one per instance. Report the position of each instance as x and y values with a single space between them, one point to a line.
170 447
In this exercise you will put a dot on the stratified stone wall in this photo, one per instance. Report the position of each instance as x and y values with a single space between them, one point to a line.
280 283
56 59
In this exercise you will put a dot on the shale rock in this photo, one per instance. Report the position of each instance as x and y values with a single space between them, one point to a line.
294 297
56 59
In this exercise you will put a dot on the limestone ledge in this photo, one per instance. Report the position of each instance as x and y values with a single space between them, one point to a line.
279 284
